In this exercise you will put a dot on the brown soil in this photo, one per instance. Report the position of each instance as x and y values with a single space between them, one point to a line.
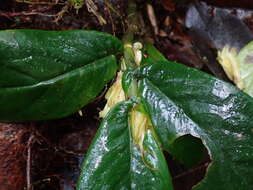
47 155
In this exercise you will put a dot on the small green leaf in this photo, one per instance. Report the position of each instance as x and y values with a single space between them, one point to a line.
77 4
181 101
127 80
115 162
51 74
152 53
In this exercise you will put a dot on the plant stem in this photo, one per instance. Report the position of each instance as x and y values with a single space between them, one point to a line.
132 21
133 28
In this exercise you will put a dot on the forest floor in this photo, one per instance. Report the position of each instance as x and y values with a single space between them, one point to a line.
47 155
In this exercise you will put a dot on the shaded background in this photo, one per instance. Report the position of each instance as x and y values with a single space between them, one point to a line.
47 155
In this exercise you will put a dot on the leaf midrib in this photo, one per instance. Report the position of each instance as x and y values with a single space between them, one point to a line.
58 77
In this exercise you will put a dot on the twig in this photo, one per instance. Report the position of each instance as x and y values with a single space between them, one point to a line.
9 15
92 8
28 163
110 16
39 3
60 14
191 171
110 7
152 18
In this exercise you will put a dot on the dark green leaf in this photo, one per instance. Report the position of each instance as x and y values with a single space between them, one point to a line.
190 146
152 53
51 74
182 100
127 79
115 162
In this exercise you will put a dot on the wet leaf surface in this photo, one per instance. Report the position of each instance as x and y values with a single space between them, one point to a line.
174 44
114 160
52 73
179 102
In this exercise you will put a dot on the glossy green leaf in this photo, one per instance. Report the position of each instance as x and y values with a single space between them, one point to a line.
115 162
181 100
127 80
189 145
153 54
51 74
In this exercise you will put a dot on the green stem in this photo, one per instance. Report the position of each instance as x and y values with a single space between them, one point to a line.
132 21
128 39
133 28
